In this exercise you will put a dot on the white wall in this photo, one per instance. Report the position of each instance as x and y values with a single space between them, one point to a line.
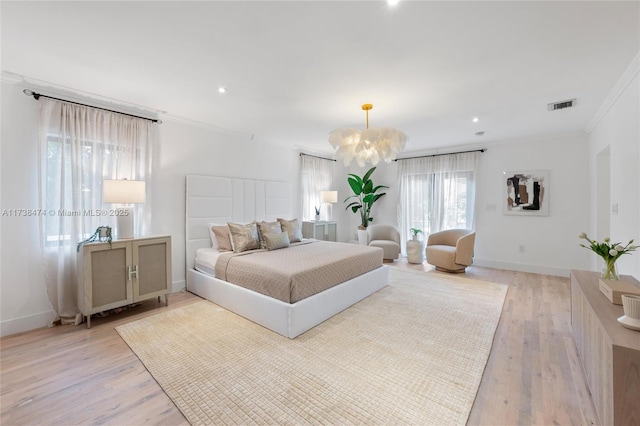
188 149
183 149
383 210
617 129
550 242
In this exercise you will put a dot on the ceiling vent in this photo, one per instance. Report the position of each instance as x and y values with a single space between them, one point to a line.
561 105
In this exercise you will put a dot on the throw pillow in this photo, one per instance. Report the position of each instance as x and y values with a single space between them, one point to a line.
276 241
221 233
291 227
265 228
243 237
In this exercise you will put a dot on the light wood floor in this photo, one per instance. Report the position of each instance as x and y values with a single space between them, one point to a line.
70 375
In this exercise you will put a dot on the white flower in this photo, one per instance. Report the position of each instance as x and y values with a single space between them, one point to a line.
607 250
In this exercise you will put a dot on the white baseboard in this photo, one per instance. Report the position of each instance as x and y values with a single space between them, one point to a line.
30 322
521 267
42 319
178 286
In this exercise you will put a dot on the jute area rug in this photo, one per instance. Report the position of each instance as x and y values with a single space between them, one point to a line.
412 353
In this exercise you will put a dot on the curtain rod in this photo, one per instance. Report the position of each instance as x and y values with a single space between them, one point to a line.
438 155
37 96
322 158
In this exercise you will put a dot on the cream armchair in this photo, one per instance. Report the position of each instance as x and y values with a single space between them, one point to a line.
386 237
451 250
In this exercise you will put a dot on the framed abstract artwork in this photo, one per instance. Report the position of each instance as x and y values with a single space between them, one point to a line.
526 192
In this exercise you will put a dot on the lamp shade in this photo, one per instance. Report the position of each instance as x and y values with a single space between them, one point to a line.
124 191
329 196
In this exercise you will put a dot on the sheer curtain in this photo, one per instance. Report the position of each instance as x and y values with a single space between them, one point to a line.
79 147
315 176
437 193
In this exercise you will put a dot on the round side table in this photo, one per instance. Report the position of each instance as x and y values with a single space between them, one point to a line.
415 251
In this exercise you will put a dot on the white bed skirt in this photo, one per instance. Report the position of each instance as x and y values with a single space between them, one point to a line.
289 320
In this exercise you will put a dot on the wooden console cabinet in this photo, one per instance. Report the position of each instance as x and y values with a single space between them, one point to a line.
126 272
609 352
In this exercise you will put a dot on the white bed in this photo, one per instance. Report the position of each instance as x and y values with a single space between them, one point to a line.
211 199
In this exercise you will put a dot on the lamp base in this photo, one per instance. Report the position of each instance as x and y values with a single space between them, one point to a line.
124 223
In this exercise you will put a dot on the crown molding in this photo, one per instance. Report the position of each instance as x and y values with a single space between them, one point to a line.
74 95
11 77
631 72
202 125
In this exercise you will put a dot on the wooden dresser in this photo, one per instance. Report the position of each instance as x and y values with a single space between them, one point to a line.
610 353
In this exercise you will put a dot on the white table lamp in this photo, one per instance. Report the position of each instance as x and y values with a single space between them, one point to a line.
124 192
329 197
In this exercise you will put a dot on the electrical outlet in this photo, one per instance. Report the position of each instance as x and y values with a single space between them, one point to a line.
520 248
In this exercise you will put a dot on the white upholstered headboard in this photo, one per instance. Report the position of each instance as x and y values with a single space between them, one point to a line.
215 199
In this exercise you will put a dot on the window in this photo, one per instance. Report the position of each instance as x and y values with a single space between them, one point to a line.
315 176
79 147
59 175
437 193
443 201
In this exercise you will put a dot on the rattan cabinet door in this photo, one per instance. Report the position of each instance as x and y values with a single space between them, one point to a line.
152 263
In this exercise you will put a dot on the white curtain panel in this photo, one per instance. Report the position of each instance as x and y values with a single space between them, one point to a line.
315 176
79 148
437 193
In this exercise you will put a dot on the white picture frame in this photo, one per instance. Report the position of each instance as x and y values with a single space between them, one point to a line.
526 193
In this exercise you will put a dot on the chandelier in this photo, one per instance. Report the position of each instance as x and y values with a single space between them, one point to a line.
367 146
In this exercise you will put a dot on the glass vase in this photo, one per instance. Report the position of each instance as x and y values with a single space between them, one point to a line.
609 270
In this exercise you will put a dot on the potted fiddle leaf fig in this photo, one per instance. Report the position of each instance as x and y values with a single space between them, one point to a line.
365 194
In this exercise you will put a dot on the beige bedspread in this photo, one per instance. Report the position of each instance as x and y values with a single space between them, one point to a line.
299 271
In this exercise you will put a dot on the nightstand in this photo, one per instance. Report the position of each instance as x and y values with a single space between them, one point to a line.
320 230
123 272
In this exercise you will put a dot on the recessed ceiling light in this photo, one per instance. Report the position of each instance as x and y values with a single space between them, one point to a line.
475 119
392 2
222 90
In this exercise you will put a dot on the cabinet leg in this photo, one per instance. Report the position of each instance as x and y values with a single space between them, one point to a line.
166 299
89 321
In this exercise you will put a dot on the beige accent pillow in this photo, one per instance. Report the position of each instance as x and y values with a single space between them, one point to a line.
214 240
291 227
276 241
265 228
222 235
243 237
